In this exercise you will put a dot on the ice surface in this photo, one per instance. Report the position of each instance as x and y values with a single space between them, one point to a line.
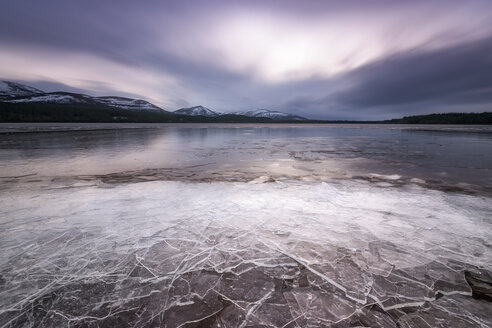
384 155
231 254
245 226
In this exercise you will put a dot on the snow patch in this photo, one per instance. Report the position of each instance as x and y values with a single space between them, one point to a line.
269 114
51 98
11 89
127 103
197 111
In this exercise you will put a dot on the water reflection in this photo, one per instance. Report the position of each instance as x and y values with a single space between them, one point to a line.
448 156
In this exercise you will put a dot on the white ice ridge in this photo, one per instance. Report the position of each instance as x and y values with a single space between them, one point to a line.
239 254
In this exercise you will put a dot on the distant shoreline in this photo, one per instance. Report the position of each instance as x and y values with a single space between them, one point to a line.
69 113
38 127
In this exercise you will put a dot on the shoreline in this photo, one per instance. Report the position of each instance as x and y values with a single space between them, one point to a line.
27 127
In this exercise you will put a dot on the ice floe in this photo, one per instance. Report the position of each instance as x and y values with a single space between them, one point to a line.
233 254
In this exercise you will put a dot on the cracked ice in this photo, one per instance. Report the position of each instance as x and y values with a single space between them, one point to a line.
348 253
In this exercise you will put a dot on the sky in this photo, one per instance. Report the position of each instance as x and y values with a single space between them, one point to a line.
361 60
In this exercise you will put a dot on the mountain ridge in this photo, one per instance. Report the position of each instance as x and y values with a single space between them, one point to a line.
258 113
9 89
273 114
21 103
197 111
13 92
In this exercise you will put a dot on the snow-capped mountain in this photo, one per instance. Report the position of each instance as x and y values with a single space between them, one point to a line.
259 113
16 93
55 97
197 111
130 104
275 115
10 90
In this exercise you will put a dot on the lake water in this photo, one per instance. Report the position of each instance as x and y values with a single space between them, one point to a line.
235 225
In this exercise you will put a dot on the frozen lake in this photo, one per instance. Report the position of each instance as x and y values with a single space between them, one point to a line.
245 225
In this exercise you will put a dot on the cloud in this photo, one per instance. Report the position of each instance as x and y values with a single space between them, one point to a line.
418 76
458 77
326 59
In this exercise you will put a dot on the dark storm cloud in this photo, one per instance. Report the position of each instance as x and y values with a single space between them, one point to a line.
190 70
419 76
82 26
412 81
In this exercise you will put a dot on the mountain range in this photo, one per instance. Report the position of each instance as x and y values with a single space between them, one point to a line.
16 93
22 103
264 113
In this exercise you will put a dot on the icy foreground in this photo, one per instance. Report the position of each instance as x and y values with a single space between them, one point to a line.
176 254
